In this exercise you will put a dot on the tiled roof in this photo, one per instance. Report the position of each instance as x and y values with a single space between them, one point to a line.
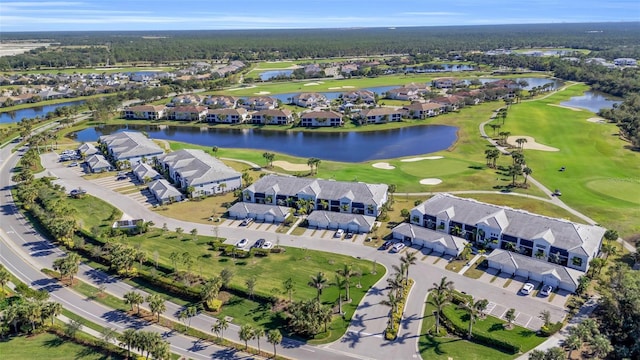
130 144
198 167
253 208
341 218
535 265
164 189
430 236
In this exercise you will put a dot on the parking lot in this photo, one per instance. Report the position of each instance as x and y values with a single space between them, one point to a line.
128 185
493 277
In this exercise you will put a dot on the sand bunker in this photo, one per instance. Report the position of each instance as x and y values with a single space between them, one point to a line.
530 144
422 158
383 166
291 166
565 107
596 120
311 84
430 181
341 87
263 93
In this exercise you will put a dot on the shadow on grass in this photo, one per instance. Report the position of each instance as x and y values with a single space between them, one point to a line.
55 342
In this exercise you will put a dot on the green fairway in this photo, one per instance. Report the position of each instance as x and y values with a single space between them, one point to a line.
110 70
602 174
46 346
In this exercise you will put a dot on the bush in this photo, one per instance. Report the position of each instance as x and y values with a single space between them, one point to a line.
551 329
260 252
391 332
214 305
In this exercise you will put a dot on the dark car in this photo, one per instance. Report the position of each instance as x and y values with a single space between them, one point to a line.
258 244
386 245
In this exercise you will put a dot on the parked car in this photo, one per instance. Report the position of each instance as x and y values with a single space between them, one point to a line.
76 192
349 235
557 193
546 290
258 244
122 177
247 221
387 244
338 233
397 247
267 245
242 243
527 288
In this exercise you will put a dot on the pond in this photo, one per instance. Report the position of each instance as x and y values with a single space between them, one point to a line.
337 146
592 101
17 115
332 95
268 75
531 81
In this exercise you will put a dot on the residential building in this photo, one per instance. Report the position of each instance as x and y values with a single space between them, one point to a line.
438 242
272 117
359 97
321 118
188 99
310 100
259 212
448 83
146 112
402 93
98 163
418 110
356 223
221 101
130 146
227 116
145 173
87 149
164 192
555 240
336 196
200 171
259 103
380 115
188 113
451 102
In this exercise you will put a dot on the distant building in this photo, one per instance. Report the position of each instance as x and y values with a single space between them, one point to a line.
130 146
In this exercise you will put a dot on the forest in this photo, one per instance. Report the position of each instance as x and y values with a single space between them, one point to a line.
92 48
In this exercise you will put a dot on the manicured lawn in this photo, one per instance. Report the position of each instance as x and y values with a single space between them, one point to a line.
273 65
450 346
93 212
90 70
55 101
602 174
197 210
46 346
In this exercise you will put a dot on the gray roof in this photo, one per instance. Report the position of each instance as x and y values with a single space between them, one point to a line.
198 167
128 144
246 208
163 189
535 265
321 189
88 149
342 218
430 236
143 170
519 223
98 161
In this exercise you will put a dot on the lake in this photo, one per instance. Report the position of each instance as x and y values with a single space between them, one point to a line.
332 95
337 146
268 75
592 101
532 82
17 115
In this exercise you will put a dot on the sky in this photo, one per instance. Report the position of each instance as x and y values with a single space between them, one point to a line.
114 15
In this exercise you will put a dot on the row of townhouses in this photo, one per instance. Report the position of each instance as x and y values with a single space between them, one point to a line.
554 251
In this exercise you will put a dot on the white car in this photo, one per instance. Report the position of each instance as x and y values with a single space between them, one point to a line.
527 288
267 245
338 233
546 290
397 247
246 221
242 243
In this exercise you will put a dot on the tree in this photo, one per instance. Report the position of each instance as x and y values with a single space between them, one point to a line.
214 150
225 276
600 346
439 300
194 233
392 301
347 272
4 279
340 283
274 337
536 354
52 310
289 287
521 142
611 235
269 158
258 332
514 171
72 327
572 342
251 285
179 231
472 310
210 289
510 316
526 171
108 335
133 298
319 282
409 259
246 333
219 327
156 304
545 315
128 338
481 306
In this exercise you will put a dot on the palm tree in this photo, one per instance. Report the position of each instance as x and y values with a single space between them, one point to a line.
274 337
439 300
392 301
472 309
129 339
156 304
251 285
318 282
214 150
347 272
269 157
52 310
258 332
289 287
133 298
510 316
4 278
526 171
246 333
514 171
521 142
409 259
395 283
572 342
219 327
341 283
210 289
444 286
601 346
108 335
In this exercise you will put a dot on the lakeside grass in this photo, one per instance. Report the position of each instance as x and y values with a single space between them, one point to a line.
111 70
54 101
